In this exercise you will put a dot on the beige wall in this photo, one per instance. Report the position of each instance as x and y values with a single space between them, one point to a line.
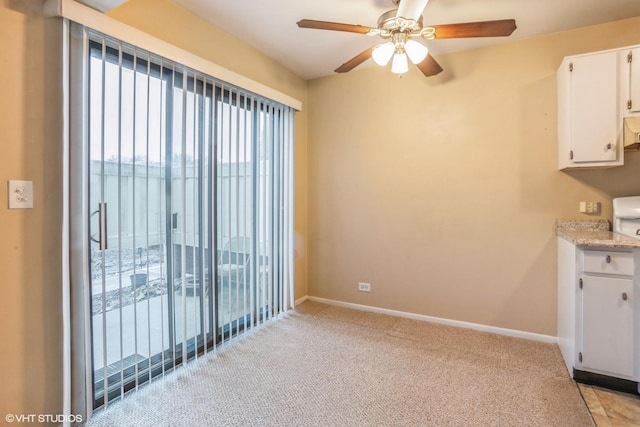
30 285
181 28
443 192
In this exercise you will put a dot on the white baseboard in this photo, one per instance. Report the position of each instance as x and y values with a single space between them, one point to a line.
301 300
468 325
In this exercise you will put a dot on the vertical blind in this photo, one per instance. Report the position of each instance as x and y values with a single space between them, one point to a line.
189 212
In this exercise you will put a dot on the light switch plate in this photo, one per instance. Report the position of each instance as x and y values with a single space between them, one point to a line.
20 194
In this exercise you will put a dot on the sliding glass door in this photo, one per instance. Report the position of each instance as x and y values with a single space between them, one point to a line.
189 200
132 275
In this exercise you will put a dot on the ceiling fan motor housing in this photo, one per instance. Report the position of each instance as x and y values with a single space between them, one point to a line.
389 24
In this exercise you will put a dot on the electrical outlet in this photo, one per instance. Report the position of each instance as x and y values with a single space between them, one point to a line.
593 207
364 287
589 207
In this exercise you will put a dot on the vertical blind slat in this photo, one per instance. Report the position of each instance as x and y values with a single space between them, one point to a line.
194 207
171 238
229 204
246 205
133 227
213 197
162 236
288 142
237 215
119 221
183 218
147 206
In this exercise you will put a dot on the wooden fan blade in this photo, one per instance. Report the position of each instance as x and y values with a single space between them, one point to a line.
499 28
411 9
333 26
355 61
429 66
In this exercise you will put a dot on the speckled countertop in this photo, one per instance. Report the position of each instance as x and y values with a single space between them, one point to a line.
593 234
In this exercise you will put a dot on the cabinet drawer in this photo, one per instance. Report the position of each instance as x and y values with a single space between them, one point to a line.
609 262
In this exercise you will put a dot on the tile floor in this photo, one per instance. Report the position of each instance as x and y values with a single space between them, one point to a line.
611 408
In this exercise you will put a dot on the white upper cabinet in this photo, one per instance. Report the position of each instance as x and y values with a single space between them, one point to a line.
590 111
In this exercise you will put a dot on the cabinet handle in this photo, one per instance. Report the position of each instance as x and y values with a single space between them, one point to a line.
624 296
608 259
608 146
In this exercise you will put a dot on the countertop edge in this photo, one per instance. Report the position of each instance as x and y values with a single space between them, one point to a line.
593 234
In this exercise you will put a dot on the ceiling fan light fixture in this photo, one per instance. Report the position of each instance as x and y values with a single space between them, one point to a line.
399 64
417 52
382 53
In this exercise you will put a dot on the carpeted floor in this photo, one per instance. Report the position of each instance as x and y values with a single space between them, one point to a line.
328 366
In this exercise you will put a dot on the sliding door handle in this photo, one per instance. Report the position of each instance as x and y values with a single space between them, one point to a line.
93 239
102 226
103 230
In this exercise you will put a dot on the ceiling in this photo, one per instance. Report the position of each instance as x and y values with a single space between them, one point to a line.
270 26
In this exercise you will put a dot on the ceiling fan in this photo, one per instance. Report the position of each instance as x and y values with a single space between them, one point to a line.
399 27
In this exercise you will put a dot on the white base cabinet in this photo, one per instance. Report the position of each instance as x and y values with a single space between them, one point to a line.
598 316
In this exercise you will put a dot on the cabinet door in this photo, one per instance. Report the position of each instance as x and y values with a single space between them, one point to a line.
607 325
594 109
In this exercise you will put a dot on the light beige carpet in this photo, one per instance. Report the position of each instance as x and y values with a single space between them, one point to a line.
327 366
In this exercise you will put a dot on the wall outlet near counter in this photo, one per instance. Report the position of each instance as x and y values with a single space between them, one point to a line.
589 207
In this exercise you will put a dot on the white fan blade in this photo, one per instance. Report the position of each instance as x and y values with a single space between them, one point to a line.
411 9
